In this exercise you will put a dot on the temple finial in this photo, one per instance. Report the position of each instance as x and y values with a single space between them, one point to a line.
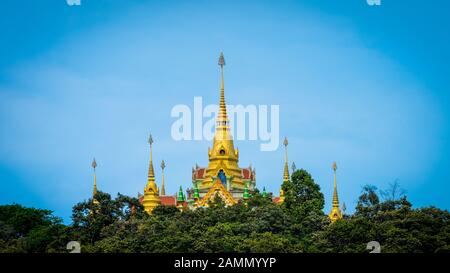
264 193
150 139
151 191
151 172
286 166
335 194
335 213
180 197
163 188
221 60
94 164
222 119
94 190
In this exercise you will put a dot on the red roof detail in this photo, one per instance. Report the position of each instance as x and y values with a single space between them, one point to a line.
276 199
246 173
168 200
200 173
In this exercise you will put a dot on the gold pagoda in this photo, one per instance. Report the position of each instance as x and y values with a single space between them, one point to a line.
335 213
223 159
151 192
223 174
94 191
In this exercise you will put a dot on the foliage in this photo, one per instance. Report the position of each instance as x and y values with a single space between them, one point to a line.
255 226
28 229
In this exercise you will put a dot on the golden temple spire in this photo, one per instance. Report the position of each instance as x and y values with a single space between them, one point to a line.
223 157
335 194
151 172
335 213
94 165
151 192
94 191
222 119
286 167
163 189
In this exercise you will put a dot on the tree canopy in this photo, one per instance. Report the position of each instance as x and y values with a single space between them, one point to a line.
258 225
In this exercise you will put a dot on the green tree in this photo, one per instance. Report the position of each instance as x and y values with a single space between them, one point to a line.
28 229
368 202
89 218
304 203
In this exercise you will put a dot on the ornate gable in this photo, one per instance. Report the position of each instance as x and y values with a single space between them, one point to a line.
217 188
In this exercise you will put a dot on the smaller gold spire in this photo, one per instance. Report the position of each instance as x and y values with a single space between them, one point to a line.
151 171
151 191
94 191
281 200
335 194
163 189
335 213
286 167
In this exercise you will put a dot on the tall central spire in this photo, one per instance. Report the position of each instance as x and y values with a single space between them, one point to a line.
223 157
222 120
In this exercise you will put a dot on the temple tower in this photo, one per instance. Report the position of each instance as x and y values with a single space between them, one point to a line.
163 188
223 157
335 212
285 170
94 191
151 192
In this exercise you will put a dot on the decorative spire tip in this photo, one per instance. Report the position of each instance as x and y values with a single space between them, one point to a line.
150 140
221 60
94 164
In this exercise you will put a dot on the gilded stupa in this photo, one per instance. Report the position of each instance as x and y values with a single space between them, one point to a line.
223 171
286 176
223 159
335 213
94 191
151 192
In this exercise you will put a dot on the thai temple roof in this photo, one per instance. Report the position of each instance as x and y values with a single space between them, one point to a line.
247 173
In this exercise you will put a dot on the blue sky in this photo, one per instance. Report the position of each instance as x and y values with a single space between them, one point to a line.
361 85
